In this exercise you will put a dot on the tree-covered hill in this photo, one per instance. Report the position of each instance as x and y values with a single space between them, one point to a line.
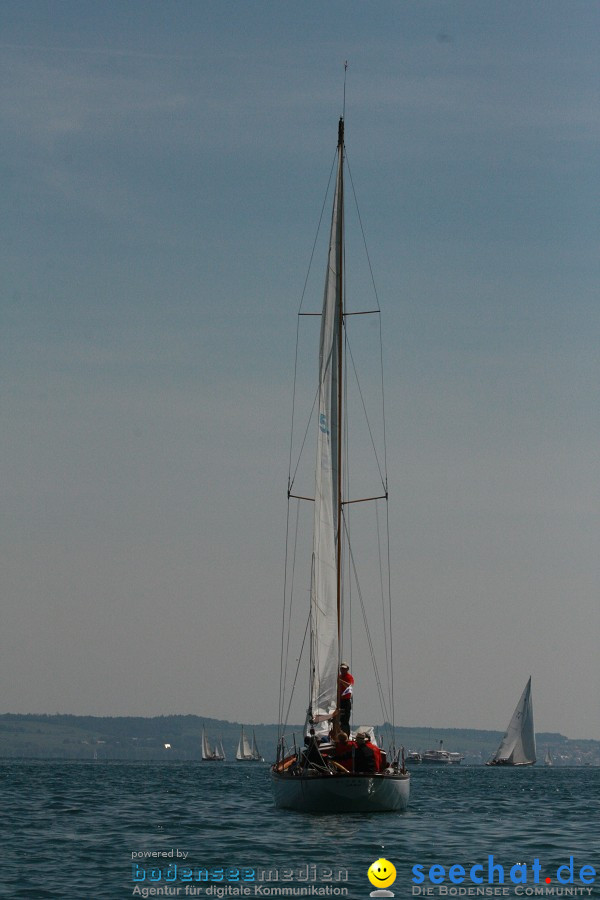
178 738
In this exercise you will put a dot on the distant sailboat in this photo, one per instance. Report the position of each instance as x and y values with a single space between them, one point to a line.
247 752
517 747
548 758
210 753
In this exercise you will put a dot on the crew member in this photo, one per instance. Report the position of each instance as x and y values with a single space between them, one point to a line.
380 758
344 751
345 689
364 757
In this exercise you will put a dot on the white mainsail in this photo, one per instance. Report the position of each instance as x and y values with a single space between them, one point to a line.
244 750
207 750
324 593
517 747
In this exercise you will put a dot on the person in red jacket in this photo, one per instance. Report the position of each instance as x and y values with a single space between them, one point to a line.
365 759
345 691
344 751
377 753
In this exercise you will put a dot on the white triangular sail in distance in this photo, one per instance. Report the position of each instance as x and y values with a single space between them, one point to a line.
216 753
244 750
517 747
324 591
207 750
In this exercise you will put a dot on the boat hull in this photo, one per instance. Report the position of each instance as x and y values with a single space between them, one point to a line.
341 793
508 764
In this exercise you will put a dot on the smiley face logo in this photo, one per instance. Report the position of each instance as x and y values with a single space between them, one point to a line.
381 873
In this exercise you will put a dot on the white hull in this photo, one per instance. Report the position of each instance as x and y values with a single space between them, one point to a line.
341 793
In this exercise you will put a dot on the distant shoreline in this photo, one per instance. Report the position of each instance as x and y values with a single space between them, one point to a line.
65 736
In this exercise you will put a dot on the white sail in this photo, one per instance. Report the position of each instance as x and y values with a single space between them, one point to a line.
517 747
244 750
324 595
214 754
207 750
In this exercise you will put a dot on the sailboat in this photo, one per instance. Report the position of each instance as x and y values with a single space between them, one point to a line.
246 751
309 778
210 753
548 761
517 747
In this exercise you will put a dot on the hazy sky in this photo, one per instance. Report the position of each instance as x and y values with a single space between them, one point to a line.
164 165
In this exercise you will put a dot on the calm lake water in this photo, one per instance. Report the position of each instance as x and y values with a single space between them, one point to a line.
71 830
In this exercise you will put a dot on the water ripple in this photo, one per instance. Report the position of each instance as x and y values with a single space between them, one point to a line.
74 826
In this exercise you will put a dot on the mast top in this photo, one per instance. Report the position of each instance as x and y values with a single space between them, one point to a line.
341 132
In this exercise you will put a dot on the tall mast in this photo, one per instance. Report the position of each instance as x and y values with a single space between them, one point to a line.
340 297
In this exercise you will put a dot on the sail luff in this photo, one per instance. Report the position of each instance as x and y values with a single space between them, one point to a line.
325 593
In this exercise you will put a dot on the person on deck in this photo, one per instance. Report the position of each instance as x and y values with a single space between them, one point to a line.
312 754
380 758
345 691
344 751
364 757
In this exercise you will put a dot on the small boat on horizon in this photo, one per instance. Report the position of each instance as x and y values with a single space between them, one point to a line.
212 753
441 757
517 747
413 758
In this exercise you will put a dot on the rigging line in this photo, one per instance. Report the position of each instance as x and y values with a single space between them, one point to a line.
389 574
362 231
312 254
281 659
347 591
385 468
296 674
292 477
367 630
381 474
378 306
293 402
286 656
383 610
302 296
